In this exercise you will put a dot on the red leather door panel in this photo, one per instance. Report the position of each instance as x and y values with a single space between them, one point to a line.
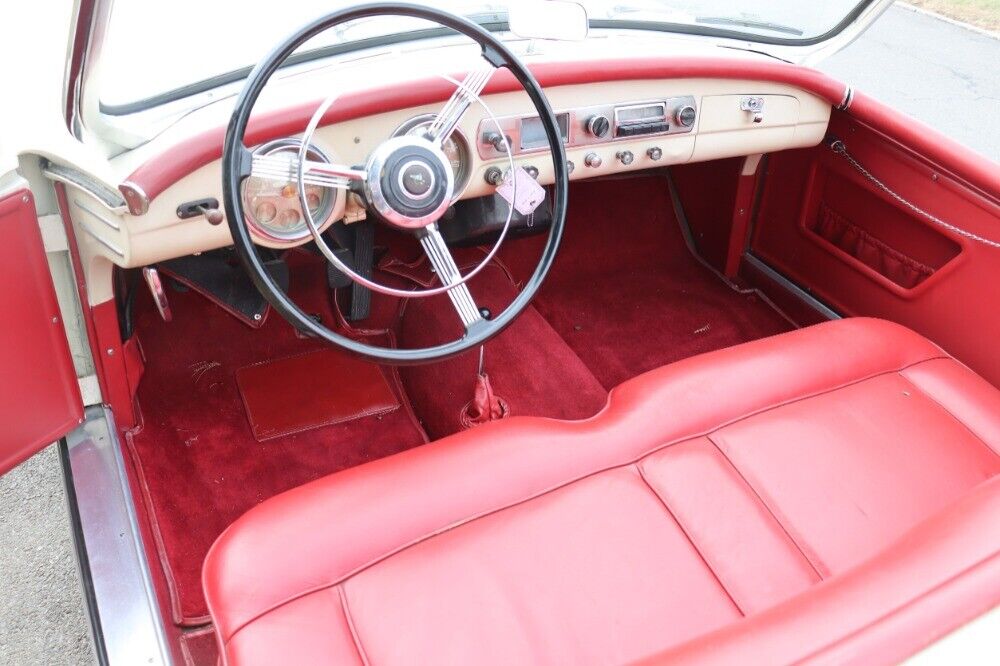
39 394
828 228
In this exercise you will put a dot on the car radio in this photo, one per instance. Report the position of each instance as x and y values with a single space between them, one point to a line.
587 125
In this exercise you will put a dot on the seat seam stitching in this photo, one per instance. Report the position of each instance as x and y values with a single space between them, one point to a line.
947 411
690 540
350 625
767 507
683 438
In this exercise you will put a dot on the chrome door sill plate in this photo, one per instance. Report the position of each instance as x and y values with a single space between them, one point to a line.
129 625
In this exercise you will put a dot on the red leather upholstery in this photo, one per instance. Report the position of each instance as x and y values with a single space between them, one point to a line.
832 484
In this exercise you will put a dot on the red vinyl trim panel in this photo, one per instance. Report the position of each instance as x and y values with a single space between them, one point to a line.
161 171
964 163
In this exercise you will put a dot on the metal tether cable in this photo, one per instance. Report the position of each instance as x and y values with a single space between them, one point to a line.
838 147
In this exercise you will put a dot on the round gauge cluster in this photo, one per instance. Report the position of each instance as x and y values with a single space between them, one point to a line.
272 204
456 148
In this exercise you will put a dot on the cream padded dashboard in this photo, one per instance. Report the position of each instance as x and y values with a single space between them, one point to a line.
792 118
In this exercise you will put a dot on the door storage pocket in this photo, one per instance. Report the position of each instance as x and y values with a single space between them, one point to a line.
837 230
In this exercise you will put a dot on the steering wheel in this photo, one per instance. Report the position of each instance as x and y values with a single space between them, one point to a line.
408 181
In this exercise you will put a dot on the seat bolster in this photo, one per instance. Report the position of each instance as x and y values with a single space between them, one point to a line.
317 535
935 578
967 396
704 392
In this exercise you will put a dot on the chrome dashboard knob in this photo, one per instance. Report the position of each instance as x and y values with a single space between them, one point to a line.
497 141
685 116
626 157
599 126
593 160
493 176
654 153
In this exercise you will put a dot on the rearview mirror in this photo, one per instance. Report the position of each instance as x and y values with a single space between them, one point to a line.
548 19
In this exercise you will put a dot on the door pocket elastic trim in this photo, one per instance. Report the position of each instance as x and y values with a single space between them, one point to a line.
862 246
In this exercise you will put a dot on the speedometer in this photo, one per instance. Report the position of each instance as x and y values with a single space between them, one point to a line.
456 148
272 204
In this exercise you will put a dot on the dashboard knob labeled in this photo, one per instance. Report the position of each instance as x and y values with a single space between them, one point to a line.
593 160
625 157
599 126
497 141
654 153
685 116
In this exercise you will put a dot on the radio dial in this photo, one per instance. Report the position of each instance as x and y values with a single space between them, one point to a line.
685 116
599 126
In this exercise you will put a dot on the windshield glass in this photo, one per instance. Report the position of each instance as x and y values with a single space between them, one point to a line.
154 49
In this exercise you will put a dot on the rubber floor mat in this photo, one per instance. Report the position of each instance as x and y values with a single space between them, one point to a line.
311 390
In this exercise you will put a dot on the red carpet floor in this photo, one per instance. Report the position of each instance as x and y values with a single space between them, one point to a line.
200 464
625 292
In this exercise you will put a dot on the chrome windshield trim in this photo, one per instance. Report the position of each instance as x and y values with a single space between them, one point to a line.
131 627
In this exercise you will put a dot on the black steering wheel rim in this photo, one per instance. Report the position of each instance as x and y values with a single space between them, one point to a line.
236 161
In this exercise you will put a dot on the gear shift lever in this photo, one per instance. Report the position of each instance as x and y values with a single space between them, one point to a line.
485 405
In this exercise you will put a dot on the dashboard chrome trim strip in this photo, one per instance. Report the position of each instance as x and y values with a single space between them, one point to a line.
110 223
70 176
103 241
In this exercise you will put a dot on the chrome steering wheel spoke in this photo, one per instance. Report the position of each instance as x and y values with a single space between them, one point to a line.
447 271
464 96
284 167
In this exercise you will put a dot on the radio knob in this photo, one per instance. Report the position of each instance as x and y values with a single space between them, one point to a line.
497 141
593 160
599 126
685 116
654 153
625 157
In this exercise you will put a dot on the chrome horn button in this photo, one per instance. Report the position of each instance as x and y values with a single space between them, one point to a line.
410 182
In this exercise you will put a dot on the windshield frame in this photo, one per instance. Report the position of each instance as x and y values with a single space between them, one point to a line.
495 21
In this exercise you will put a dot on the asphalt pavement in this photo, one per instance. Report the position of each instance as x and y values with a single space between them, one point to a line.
940 73
42 619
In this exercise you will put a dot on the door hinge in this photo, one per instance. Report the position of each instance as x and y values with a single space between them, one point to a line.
90 390
53 233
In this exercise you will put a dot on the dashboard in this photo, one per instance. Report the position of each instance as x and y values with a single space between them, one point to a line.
609 127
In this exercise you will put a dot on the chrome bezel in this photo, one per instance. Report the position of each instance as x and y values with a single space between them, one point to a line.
292 145
401 181
373 184
464 172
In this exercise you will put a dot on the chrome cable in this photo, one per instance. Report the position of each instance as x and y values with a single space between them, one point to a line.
838 147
